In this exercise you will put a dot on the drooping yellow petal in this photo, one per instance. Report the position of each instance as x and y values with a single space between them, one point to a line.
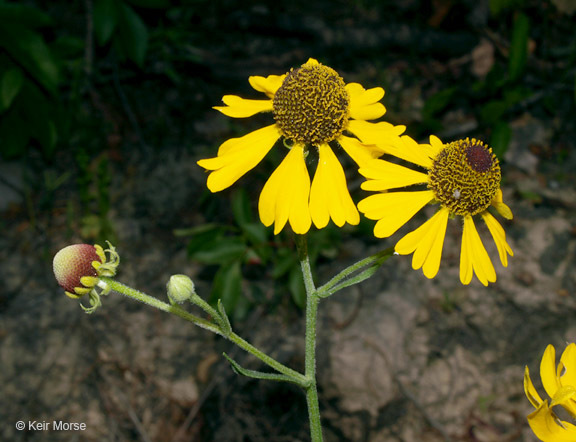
548 428
364 104
531 392
237 156
361 153
568 360
500 207
393 210
383 175
329 195
548 374
269 85
426 242
286 193
474 257
237 107
499 237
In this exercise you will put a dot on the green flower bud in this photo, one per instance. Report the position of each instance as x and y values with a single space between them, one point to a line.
180 288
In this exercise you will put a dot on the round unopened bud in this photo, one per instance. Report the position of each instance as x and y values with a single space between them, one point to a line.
180 288
74 268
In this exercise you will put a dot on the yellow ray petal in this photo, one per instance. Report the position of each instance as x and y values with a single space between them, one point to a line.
329 195
364 103
436 145
381 134
269 85
548 375
383 175
238 107
500 207
286 193
430 251
393 210
361 153
237 156
426 242
548 428
568 360
413 240
474 256
531 392
499 237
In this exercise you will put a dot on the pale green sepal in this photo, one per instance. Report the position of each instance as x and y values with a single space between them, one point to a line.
223 320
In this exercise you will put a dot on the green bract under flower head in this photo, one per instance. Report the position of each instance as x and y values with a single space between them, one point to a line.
311 105
465 177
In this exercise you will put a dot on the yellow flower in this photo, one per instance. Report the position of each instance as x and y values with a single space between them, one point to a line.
463 177
311 106
560 384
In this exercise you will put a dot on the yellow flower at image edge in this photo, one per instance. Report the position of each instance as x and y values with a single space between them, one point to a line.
560 384
311 106
463 178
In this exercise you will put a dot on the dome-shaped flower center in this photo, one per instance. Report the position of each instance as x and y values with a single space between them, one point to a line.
74 262
465 176
311 106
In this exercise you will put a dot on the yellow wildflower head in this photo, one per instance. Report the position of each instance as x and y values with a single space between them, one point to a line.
312 107
463 177
559 382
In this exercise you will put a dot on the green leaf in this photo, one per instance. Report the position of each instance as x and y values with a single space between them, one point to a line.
241 207
238 369
23 15
500 138
31 52
256 233
438 102
105 15
228 285
132 35
10 86
13 135
518 46
296 287
220 251
152 4
493 111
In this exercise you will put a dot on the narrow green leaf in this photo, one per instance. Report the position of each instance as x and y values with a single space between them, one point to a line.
238 369
296 287
500 138
220 250
132 34
31 52
23 15
438 102
152 4
228 285
105 15
13 135
10 86
518 46
241 207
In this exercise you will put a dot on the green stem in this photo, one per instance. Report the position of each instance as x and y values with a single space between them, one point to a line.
176 310
312 300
